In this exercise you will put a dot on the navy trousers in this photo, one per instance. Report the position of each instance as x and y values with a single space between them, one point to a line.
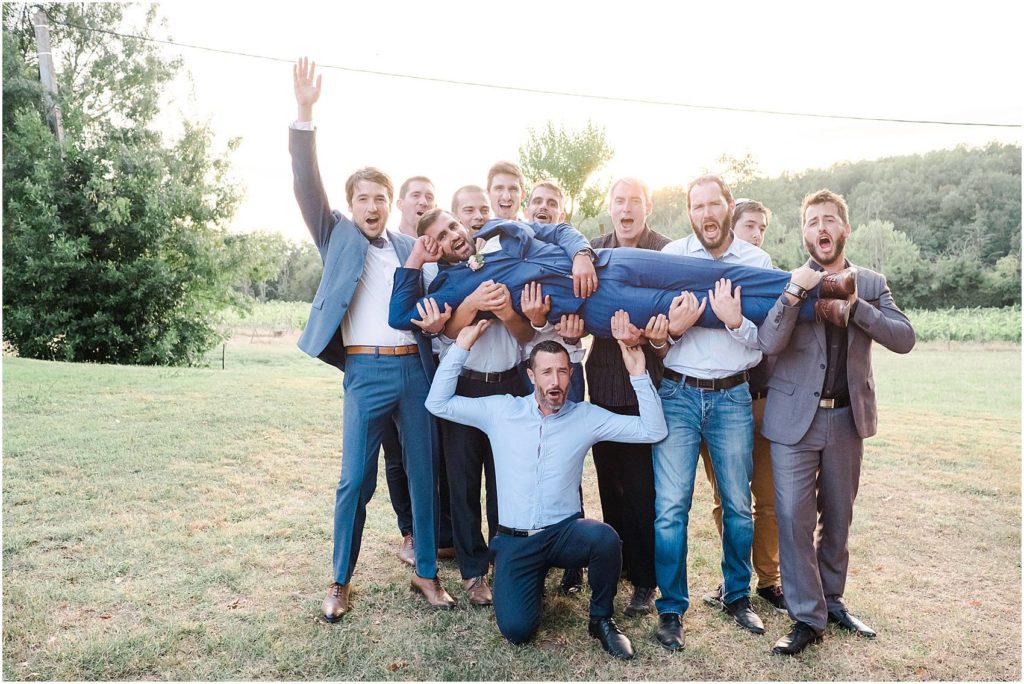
520 564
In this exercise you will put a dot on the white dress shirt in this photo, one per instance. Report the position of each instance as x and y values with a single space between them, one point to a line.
711 353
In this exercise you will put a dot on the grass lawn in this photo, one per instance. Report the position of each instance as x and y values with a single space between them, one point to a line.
176 524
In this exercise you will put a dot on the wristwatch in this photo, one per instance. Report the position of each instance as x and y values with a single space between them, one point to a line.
588 251
795 290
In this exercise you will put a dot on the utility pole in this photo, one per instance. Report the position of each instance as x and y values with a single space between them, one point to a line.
47 75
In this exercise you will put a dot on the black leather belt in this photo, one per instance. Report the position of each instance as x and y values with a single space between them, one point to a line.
489 377
707 384
513 532
834 402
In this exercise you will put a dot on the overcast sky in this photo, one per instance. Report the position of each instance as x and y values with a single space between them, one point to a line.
904 60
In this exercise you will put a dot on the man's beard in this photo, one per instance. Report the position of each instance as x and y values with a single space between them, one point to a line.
724 232
838 250
549 403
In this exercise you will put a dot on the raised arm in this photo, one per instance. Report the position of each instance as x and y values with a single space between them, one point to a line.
442 400
309 187
649 426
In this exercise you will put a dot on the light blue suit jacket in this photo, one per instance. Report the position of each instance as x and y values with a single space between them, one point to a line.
342 247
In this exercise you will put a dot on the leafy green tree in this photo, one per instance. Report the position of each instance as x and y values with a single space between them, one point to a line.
114 246
570 158
879 246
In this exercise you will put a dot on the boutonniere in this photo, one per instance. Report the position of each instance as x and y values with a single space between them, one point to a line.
476 262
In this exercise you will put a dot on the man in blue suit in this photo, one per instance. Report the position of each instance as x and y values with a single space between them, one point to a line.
387 371
642 282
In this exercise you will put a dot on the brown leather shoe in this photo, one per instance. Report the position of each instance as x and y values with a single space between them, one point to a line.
479 592
446 552
432 591
842 285
834 311
406 551
336 603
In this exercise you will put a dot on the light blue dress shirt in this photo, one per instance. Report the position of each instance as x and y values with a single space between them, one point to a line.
538 460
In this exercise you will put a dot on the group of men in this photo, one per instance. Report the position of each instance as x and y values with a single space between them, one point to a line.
699 347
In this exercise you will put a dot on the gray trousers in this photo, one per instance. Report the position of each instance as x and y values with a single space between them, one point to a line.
816 483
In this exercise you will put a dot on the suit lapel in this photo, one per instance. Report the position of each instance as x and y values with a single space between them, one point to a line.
819 327
401 248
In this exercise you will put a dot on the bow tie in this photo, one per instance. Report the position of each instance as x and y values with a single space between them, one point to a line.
379 242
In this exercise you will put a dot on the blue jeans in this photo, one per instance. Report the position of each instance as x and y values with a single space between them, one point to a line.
724 420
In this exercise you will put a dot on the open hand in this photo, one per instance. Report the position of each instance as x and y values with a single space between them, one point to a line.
725 302
570 328
683 313
623 330
535 306
432 320
471 333
307 87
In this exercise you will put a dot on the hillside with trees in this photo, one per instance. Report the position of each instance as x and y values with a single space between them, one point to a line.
944 226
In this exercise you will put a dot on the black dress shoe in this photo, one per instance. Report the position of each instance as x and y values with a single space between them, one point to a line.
611 637
744 615
775 597
843 620
572 581
670 631
800 637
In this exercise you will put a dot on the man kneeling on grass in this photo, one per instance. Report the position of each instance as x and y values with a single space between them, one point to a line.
539 443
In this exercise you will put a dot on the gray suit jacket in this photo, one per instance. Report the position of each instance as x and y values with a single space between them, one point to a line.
794 387
343 249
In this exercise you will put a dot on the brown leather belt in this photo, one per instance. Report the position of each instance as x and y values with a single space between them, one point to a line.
500 376
384 351
707 384
834 403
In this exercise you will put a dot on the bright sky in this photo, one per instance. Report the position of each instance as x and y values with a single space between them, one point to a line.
906 60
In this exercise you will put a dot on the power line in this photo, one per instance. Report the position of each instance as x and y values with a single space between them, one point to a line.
542 91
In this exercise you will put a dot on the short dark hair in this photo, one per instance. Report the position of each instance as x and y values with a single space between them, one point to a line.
821 197
551 347
373 175
709 178
428 219
409 181
748 206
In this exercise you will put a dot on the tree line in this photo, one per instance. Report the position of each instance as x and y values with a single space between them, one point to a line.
115 241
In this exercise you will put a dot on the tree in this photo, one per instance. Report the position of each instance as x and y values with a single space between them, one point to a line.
571 159
114 246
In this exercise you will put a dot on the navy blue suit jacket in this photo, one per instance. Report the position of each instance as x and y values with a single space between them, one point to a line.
530 252
342 247
640 281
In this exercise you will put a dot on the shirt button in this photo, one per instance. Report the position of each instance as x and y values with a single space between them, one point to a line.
816 394
822 366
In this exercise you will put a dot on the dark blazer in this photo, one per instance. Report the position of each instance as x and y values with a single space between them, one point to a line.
342 248
799 374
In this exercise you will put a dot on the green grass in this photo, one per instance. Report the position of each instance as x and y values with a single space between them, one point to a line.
175 524
943 325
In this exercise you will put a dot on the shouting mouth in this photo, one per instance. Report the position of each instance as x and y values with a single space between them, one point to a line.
825 242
